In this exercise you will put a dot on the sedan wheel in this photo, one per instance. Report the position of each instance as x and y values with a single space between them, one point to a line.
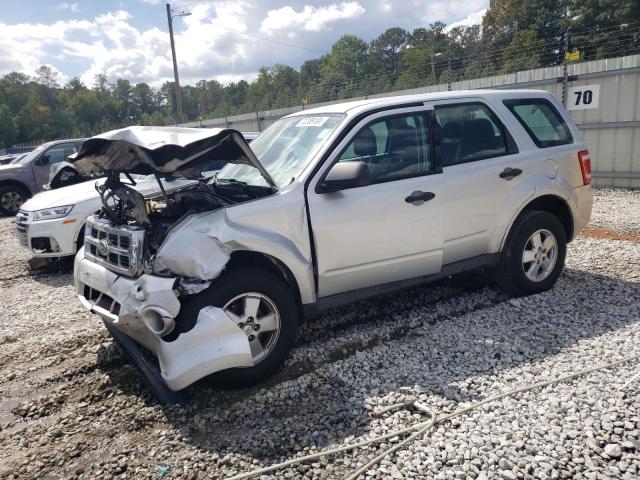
540 255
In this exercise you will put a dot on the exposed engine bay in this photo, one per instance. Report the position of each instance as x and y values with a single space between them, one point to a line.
122 204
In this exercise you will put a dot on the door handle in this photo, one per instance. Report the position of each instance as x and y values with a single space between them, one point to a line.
510 173
419 196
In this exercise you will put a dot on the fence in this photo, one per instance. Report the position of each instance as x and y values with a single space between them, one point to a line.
603 97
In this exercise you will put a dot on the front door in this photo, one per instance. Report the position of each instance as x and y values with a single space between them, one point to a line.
51 156
389 230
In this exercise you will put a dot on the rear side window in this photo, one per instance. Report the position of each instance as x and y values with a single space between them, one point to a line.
541 120
469 132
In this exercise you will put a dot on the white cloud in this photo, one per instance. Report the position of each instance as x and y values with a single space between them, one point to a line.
72 7
309 18
24 47
474 18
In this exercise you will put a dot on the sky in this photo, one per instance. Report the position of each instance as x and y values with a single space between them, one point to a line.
226 40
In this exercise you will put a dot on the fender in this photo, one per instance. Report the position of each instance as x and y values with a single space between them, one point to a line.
19 184
541 187
202 245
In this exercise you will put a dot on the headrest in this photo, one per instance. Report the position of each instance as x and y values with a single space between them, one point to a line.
478 130
399 122
365 143
452 130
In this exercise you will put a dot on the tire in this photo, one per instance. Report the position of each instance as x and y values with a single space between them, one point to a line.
277 294
511 275
11 198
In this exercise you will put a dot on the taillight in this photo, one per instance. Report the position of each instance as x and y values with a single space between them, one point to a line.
585 166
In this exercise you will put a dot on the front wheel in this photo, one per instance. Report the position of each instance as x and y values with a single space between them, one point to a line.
264 308
11 198
534 254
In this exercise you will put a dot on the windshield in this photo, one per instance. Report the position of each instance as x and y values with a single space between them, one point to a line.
285 149
28 157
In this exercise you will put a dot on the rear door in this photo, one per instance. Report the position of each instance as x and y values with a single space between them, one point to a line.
380 233
481 167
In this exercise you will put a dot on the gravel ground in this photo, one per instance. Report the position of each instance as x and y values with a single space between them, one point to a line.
72 407
616 209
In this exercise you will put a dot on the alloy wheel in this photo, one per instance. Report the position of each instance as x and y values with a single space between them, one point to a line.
258 317
540 255
11 201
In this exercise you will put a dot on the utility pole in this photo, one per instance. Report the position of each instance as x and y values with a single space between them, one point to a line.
565 68
175 62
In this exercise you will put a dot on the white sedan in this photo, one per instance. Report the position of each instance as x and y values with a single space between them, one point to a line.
51 224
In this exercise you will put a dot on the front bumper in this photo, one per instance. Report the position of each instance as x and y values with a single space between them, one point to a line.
138 307
48 238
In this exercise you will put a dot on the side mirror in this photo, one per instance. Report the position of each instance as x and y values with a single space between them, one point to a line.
345 175
43 160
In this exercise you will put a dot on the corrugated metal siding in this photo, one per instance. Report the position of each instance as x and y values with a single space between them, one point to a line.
614 146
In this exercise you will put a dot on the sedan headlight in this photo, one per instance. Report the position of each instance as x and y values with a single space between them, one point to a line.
51 213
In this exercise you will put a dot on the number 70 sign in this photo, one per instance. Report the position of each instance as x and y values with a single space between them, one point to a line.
583 97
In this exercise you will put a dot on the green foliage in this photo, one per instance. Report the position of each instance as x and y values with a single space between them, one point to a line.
8 128
514 35
522 53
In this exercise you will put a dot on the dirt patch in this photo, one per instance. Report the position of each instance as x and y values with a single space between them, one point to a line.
610 235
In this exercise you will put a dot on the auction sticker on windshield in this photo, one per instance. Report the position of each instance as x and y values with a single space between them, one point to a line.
312 122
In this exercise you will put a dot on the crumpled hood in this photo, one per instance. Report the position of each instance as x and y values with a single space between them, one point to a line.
164 150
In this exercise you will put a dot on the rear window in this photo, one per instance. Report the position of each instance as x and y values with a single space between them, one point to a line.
541 120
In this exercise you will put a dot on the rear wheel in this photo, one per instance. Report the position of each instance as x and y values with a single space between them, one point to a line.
11 198
534 254
264 308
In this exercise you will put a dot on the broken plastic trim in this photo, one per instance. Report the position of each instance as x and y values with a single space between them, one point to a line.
145 367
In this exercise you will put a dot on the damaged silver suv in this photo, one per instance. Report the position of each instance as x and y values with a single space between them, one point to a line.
328 206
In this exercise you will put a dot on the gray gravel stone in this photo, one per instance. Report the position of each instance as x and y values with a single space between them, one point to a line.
613 450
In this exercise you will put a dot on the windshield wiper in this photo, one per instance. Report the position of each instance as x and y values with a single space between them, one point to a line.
232 181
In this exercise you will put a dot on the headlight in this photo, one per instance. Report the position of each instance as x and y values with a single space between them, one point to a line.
51 213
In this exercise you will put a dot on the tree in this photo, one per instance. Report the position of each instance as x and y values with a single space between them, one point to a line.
46 77
523 53
122 94
425 55
344 70
8 129
386 51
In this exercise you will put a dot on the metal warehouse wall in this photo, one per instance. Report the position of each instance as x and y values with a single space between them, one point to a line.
603 96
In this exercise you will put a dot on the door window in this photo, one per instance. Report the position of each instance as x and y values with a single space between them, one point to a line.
541 120
468 132
393 148
59 153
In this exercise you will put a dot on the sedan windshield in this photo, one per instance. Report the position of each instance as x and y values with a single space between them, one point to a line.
285 149
28 157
